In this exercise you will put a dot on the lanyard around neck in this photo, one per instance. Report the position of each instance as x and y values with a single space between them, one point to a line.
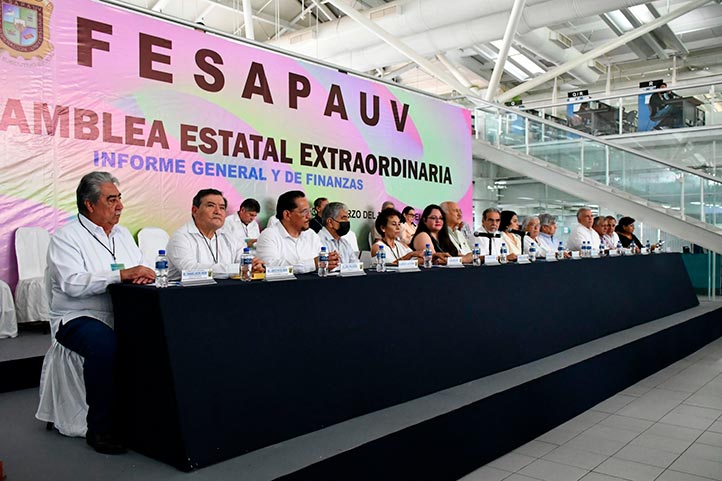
208 244
112 252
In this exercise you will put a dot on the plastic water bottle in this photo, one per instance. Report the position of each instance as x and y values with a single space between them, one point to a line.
659 248
583 253
503 253
381 259
601 249
428 256
246 265
161 269
649 247
323 262
560 251
476 255
619 248
532 252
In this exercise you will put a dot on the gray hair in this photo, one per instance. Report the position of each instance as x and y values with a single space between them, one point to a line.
582 209
89 189
489 211
528 220
598 220
331 211
547 219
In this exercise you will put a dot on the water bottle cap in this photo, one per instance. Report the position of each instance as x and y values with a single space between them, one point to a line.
381 248
476 244
161 252
246 250
428 245
323 248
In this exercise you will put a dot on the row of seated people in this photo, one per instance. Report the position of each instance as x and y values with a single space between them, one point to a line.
87 256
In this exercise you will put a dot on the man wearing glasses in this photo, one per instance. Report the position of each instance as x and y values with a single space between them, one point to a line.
290 242
202 244
489 236
336 227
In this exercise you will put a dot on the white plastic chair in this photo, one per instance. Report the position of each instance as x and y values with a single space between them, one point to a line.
31 300
150 241
366 259
62 386
8 321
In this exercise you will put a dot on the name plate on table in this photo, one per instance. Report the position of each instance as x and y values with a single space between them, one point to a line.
279 273
352 269
454 262
613 253
628 252
550 257
198 277
411 265
575 255
523 259
491 261
595 253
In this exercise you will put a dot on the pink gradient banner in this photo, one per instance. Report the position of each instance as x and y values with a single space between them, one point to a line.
170 110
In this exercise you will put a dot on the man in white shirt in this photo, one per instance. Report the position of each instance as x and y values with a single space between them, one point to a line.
583 231
290 242
610 239
600 227
454 224
547 229
84 258
334 234
202 244
243 223
490 240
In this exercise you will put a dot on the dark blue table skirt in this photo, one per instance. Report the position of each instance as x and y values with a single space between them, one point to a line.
211 372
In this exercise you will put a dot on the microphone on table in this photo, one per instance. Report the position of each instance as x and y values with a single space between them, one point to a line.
490 235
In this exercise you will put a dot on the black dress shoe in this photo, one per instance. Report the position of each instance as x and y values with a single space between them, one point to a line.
105 443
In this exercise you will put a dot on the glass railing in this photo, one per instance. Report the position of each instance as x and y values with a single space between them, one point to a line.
681 190
655 109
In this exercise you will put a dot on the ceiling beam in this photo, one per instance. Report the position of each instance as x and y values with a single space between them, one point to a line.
511 26
648 38
639 48
401 47
667 34
601 50
261 17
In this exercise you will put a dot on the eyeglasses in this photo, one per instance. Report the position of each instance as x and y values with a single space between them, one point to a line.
434 218
304 212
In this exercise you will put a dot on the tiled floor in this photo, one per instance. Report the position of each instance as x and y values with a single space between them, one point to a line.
667 427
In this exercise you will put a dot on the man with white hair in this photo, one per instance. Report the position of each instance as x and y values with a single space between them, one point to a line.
583 231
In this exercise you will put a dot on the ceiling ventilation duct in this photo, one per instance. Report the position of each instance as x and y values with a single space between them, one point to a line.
561 40
539 43
428 41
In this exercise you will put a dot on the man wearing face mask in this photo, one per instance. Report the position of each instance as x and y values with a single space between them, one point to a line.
335 226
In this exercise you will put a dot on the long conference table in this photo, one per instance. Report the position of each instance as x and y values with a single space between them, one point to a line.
211 372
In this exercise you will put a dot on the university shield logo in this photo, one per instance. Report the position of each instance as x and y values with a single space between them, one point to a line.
24 30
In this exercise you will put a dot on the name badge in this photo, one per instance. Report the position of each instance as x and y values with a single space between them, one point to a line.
352 269
117 267
575 255
279 273
491 261
523 259
454 262
197 277
551 257
409 265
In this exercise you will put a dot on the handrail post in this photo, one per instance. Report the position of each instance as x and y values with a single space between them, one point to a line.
606 166
498 130
526 134
681 196
701 200
621 115
581 158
